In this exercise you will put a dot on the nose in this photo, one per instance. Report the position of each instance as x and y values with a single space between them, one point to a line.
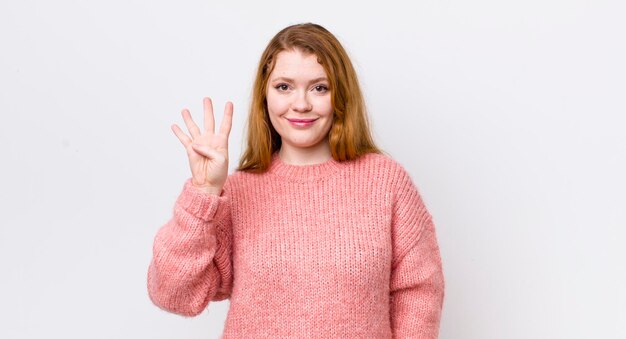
301 102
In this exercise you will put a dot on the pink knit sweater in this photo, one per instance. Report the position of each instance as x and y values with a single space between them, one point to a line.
332 250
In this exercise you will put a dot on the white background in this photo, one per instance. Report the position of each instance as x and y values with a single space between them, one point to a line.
509 115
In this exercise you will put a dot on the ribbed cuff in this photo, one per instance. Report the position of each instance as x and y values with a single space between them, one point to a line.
200 204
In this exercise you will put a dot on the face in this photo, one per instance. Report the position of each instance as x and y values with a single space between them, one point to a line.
299 100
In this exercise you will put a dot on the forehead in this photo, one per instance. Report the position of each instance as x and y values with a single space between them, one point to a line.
294 64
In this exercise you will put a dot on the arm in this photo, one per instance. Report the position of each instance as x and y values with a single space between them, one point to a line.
417 281
191 263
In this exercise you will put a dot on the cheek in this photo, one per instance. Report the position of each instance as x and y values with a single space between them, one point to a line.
325 106
274 110
275 105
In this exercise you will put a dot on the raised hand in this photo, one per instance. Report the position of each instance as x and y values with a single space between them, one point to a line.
207 150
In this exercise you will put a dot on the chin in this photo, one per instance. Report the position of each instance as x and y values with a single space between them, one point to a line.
308 144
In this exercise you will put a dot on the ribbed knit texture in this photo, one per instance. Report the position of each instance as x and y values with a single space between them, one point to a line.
332 250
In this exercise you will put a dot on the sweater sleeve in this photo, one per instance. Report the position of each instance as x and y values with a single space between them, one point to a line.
417 281
191 263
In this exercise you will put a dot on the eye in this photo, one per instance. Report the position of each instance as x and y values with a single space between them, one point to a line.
282 87
321 88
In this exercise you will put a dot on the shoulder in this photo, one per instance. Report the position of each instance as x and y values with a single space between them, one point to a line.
242 181
237 178
382 166
390 175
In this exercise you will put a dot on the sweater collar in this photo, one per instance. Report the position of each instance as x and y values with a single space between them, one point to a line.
303 173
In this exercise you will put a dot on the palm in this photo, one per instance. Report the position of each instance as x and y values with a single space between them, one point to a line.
207 150
202 165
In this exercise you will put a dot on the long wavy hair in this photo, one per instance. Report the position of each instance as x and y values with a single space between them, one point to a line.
349 136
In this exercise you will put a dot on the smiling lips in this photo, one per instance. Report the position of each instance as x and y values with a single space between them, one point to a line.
301 122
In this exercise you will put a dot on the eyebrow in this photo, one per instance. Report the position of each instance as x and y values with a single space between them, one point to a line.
291 80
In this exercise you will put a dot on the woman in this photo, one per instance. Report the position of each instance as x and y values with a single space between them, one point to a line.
317 234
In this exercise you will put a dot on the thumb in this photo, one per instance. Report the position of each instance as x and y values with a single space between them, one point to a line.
206 151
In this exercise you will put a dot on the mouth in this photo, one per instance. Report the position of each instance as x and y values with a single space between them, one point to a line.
301 122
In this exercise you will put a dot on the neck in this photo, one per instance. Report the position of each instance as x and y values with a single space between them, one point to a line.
305 156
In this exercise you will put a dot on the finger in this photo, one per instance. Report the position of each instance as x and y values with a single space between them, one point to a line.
191 126
207 151
184 139
209 119
227 120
